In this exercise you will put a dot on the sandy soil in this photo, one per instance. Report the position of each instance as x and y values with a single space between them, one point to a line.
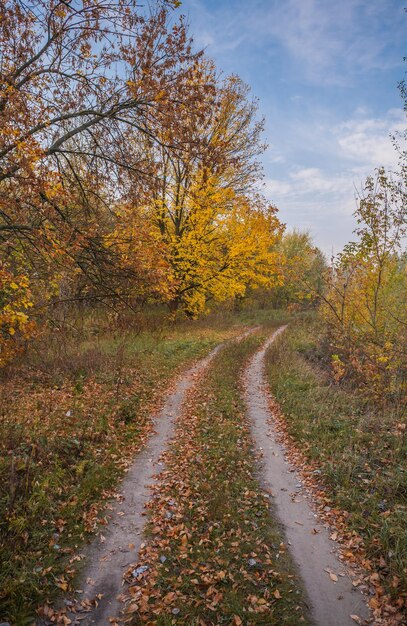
315 554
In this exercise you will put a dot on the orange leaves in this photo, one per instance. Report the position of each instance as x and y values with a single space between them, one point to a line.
59 202
62 584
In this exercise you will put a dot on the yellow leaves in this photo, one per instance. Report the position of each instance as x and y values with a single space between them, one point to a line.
364 313
15 325
161 95
60 11
62 584
217 244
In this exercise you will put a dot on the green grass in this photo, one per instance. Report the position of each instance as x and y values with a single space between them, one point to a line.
360 449
232 564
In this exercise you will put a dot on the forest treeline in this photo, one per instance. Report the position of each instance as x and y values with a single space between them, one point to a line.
130 175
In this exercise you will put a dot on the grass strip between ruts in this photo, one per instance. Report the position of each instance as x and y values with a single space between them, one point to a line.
214 554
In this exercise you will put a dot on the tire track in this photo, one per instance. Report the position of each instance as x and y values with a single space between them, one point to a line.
106 560
334 600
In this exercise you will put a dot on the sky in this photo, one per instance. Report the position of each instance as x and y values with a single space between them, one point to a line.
325 73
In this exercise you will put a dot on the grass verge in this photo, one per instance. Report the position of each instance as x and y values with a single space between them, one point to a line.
214 554
359 454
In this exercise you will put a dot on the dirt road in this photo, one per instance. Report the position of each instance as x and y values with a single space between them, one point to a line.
107 559
333 599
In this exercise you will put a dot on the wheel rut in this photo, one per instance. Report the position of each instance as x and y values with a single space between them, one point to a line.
315 554
99 599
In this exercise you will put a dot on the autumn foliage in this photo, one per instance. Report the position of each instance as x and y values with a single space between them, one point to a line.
365 302
127 166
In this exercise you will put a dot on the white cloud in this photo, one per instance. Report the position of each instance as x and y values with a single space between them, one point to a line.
322 199
276 188
310 186
366 140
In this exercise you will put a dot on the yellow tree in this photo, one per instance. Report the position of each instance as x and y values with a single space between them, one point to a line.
226 246
217 231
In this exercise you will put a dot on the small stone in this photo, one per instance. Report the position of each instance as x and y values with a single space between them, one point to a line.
163 558
139 570
252 562
175 611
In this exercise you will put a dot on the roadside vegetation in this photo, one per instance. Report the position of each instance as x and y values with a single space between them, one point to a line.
72 418
354 450
214 555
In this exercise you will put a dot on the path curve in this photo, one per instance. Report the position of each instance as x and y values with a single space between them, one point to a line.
107 560
332 603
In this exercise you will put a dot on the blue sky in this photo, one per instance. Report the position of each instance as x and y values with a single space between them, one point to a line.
326 74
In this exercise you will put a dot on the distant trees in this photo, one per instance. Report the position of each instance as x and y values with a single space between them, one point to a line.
303 267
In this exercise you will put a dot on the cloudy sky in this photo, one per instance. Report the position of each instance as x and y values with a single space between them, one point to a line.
326 75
